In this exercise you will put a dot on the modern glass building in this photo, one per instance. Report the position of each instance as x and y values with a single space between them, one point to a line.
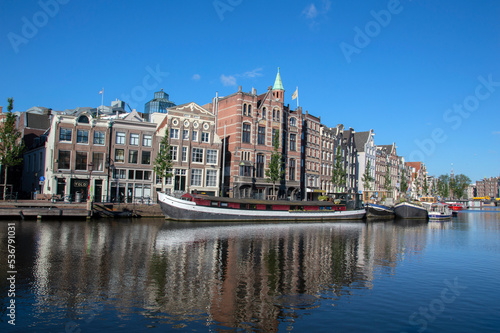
159 103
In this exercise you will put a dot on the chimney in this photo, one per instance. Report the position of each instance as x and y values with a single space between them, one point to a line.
1 107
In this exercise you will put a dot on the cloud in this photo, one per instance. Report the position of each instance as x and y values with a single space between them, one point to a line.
251 74
229 80
310 12
314 15
196 77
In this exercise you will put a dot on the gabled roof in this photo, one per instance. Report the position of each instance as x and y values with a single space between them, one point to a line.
360 139
38 121
191 107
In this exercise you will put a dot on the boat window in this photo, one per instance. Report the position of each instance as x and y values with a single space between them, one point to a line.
269 207
253 206
223 204
214 203
243 206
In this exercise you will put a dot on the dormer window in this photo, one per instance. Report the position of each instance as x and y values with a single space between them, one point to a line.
83 119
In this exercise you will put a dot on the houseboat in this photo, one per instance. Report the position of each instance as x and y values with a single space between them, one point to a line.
194 207
374 211
410 210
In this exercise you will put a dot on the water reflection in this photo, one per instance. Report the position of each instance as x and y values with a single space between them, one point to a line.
231 275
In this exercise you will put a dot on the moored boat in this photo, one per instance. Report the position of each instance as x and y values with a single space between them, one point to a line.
409 210
374 211
206 208
438 211
455 206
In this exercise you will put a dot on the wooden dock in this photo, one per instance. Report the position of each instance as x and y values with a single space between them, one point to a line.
35 209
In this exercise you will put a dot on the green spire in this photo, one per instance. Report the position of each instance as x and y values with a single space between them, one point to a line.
278 85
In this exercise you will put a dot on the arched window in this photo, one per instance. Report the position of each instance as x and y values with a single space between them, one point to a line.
249 110
244 109
274 115
83 119
264 112
278 115
291 169
293 121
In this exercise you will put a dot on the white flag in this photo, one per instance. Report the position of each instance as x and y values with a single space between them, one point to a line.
295 94
100 92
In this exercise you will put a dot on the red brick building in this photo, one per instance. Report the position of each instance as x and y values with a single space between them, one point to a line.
247 122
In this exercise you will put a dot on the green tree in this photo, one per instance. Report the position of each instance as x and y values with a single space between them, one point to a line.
163 161
367 178
275 170
339 175
387 181
442 186
459 185
10 145
404 183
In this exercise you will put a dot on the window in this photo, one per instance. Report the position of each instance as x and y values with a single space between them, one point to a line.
293 121
174 133
278 115
246 133
204 137
82 136
249 110
147 140
147 175
64 159
98 161
195 136
211 178
293 142
246 170
81 161
134 139
120 138
291 169
197 155
146 157
196 177
274 133
259 170
173 153
244 109
264 112
132 156
261 135
99 138
119 155
211 156
274 115
131 174
64 134
185 135
184 154
83 119
120 173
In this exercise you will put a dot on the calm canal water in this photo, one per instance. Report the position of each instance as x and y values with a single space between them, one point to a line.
156 276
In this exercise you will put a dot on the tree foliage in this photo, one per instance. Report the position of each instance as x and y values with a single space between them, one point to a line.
425 186
442 186
404 183
459 185
275 170
339 175
387 181
11 147
163 162
367 178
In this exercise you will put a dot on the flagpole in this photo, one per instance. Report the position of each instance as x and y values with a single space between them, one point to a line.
102 101
297 96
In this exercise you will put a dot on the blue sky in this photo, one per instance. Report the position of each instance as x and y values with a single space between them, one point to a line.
423 74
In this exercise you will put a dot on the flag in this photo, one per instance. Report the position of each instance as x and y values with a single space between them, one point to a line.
101 92
295 94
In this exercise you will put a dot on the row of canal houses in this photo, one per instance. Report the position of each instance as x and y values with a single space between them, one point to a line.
220 148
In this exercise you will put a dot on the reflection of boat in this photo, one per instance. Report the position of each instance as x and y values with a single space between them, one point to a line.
206 208
374 211
438 211
408 210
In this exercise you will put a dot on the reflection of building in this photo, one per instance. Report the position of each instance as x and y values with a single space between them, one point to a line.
247 277
195 148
